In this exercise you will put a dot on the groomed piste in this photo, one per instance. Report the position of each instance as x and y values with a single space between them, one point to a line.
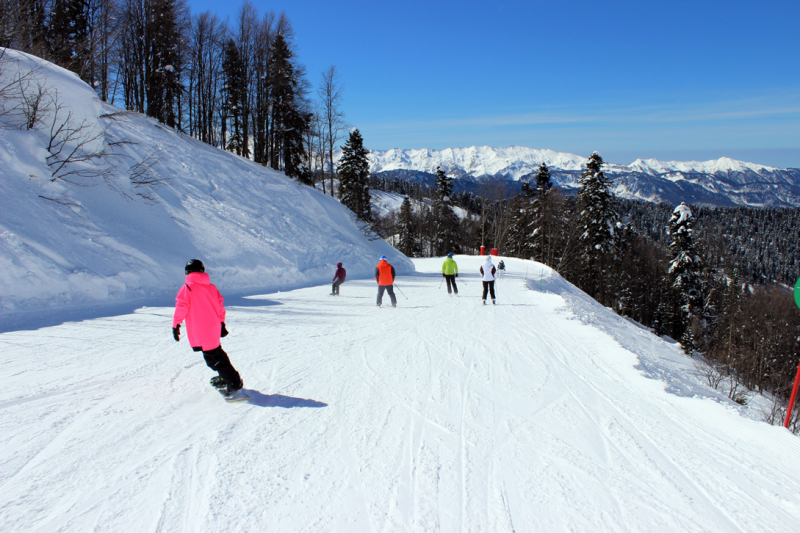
546 412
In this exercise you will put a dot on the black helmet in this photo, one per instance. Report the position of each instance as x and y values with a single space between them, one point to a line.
194 265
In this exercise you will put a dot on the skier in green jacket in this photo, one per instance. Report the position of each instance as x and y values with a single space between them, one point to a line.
450 273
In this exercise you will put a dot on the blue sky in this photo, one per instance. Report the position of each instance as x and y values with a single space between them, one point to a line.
671 80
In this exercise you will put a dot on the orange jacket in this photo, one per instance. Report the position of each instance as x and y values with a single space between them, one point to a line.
384 273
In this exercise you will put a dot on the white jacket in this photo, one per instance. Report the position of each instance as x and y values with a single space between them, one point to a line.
488 270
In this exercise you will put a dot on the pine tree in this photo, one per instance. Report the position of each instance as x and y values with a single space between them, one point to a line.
162 62
729 322
408 239
354 177
68 35
541 222
685 271
597 222
519 228
233 94
288 120
445 230
660 326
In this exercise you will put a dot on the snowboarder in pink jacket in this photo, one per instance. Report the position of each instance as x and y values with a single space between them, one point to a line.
200 304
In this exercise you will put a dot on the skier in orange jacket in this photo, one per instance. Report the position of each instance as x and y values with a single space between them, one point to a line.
384 275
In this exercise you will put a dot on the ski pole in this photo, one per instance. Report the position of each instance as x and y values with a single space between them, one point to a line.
401 292
440 283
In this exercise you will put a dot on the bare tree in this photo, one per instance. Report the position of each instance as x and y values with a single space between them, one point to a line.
206 38
245 38
70 141
103 18
22 26
144 178
330 93
260 92
711 373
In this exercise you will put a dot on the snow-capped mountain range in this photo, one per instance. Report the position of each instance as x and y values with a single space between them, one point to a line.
721 182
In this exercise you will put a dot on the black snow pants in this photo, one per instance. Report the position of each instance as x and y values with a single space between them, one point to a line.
390 290
335 287
488 286
451 278
217 360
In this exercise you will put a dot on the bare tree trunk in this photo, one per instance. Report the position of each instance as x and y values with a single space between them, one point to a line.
331 94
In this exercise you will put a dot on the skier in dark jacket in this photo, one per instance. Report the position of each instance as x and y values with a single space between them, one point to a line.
200 304
338 279
384 275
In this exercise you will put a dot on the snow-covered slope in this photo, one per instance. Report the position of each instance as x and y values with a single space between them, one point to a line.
545 413
253 227
722 182
384 203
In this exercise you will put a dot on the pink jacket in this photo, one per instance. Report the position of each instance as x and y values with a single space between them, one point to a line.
200 303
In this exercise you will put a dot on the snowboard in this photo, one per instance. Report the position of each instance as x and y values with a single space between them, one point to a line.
238 396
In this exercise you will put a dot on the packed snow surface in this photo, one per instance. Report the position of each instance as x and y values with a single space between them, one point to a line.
546 412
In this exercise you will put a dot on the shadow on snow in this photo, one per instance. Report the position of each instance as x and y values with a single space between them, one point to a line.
279 400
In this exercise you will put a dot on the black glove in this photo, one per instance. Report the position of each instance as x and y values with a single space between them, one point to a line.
176 332
456 274
224 332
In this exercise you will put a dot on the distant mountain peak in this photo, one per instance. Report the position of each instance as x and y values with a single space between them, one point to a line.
718 182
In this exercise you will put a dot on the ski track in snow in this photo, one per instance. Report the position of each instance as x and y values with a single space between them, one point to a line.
439 415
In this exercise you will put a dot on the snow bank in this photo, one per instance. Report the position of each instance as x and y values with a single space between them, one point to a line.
67 246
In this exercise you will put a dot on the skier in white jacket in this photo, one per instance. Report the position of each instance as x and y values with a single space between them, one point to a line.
488 272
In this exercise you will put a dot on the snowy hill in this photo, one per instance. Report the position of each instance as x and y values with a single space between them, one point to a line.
97 241
546 412
384 203
722 182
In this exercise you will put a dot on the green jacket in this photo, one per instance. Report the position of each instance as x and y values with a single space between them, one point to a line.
449 267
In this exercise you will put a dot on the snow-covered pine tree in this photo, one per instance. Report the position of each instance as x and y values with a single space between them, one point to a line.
685 270
659 319
597 222
542 219
445 231
407 229
354 177
518 236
